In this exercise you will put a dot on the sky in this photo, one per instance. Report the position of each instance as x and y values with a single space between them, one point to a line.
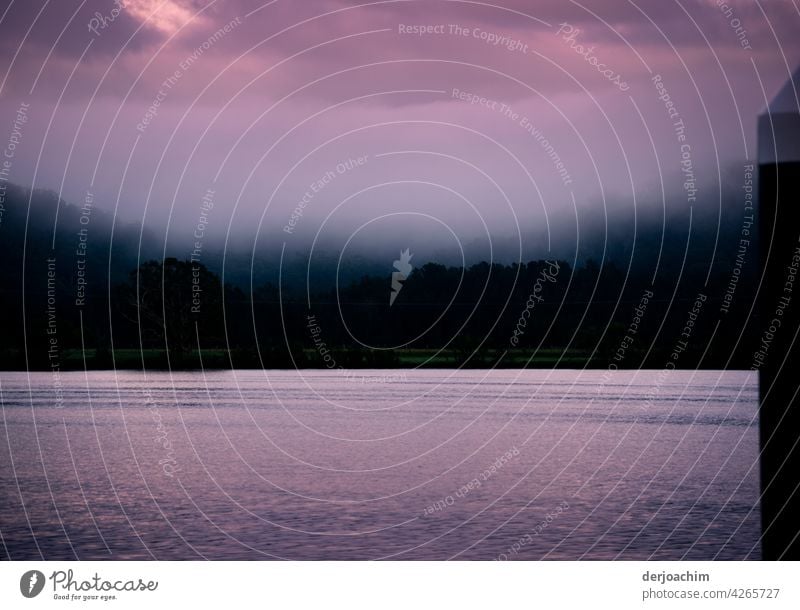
437 124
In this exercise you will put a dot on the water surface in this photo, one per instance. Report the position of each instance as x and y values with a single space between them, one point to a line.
381 464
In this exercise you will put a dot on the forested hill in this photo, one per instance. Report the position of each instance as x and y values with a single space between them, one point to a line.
125 304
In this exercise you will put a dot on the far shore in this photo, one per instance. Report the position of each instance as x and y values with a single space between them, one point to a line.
219 359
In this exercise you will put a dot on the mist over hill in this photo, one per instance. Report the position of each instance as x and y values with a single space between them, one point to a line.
74 266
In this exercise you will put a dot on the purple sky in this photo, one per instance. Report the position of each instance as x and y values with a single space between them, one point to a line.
295 88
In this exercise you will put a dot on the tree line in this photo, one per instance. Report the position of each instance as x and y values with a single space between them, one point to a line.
170 311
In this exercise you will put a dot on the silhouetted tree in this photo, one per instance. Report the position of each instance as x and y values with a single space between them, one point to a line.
172 303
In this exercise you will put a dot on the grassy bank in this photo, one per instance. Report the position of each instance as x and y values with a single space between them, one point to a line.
215 359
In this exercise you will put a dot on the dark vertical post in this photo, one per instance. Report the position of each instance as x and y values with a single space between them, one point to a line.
778 353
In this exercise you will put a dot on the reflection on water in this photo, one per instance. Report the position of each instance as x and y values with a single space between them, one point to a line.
424 465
